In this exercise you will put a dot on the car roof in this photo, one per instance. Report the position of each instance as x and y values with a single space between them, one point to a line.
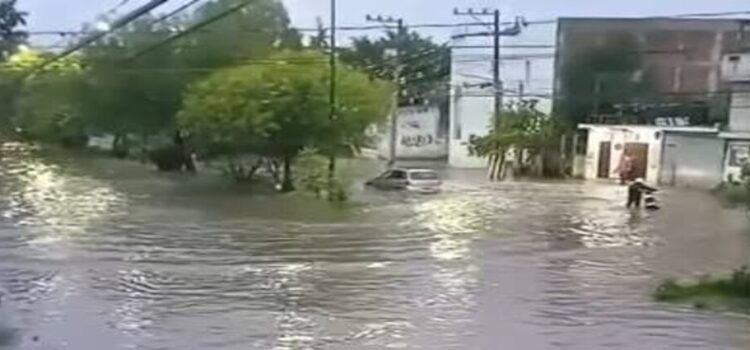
420 170
416 170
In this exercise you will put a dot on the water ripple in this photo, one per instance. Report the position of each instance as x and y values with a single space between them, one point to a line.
140 261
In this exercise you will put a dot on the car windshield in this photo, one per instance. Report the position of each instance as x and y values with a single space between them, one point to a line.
424 175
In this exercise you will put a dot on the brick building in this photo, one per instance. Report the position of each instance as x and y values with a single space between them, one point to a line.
681 58
686 63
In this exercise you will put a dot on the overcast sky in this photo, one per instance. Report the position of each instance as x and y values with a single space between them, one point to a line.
69 14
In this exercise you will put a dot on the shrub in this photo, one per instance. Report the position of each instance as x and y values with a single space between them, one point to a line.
737 285
313 177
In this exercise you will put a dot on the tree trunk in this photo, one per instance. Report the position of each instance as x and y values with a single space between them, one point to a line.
287 184
501 168
119 146
273 168
331 178
144 147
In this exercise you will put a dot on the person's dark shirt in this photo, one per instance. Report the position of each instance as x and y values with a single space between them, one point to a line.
636 191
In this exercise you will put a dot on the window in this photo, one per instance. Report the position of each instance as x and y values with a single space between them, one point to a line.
385 175
397 175
424 175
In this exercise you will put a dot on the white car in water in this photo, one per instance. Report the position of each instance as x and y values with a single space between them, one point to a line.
415 180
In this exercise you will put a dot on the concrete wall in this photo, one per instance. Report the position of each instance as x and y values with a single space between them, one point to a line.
417 136
736 67
692 160
619 136
739 112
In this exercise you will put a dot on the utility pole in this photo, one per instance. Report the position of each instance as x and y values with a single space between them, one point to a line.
496 68
332 95
393 144
497 32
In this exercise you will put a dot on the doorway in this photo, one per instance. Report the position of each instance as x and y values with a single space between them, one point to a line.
639 153
605 159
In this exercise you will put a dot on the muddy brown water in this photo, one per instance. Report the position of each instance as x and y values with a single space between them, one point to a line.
101 254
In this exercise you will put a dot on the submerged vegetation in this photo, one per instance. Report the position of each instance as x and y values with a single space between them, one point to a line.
735 286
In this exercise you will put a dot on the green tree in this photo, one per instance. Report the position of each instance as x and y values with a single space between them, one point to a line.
605 75
520 130
10 35
425 65
277 109
133 97
49 106
11 38
141 96
251 33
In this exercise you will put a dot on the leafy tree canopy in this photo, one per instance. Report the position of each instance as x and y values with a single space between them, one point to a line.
11 20
425 64
278 108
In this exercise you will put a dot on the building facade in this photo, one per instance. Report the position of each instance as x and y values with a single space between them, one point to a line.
666 155
680 58
684 62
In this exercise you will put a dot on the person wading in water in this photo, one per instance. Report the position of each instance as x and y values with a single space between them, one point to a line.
636 191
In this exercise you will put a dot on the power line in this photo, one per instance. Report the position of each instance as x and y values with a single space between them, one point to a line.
299 29
426 25
118 6
130 17
507 46
175 12
192 29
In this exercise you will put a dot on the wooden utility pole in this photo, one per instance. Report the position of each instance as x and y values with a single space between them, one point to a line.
393 143
496 83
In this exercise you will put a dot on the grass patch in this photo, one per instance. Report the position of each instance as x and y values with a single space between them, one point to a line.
735 286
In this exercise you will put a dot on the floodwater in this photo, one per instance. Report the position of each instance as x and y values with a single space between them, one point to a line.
101 254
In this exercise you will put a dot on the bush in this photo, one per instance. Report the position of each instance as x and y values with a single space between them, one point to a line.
737 285
313 177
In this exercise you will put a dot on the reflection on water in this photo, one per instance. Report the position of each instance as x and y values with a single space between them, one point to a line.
101 254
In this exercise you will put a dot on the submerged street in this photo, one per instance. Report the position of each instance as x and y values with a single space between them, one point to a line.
97 253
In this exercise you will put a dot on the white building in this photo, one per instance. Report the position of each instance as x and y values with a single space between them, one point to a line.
677 156
527 72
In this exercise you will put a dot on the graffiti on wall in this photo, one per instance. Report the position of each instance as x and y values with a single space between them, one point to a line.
416 141
418 127
417 135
